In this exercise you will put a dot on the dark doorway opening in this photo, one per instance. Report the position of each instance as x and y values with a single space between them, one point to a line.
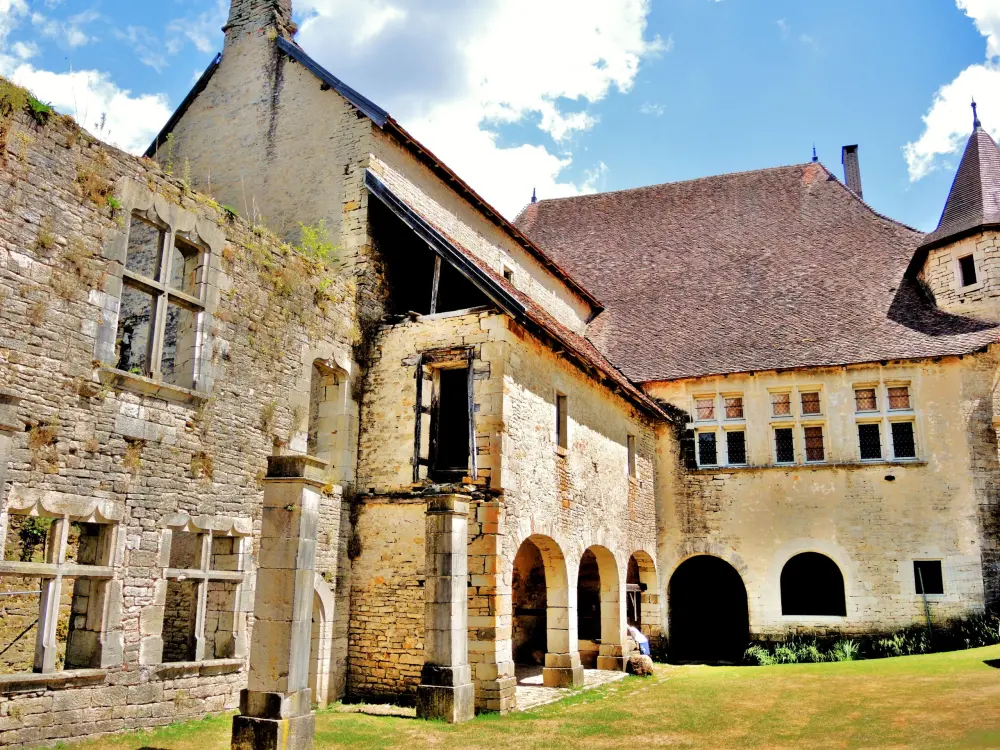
709 620
588 598
529 636
812 584
450 432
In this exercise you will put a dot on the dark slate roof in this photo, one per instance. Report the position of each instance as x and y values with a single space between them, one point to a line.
974 200
772 269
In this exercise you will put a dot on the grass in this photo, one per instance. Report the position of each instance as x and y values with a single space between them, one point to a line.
932 701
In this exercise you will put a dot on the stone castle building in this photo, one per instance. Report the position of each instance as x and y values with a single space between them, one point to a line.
741 407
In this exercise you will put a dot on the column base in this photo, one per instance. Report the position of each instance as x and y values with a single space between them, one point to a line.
563 676
611 663
496 696
254 733
453 704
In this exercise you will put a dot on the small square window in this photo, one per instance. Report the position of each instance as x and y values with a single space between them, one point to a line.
927 578
815 449
903 444
784 446
704 408
870 441
736 447
508 273
781 404
899 397
810 403
967 268
865 399
707 449
734 407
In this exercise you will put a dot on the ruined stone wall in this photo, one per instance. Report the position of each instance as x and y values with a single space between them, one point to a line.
386 637
464 224
872 518
122 443
942 276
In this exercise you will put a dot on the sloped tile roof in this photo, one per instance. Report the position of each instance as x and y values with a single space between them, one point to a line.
771 269
974 200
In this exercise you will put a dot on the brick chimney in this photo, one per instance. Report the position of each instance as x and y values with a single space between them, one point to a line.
249 17
852 170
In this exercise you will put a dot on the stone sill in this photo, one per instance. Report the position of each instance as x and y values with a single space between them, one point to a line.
170 670
13 683
144 386
808 467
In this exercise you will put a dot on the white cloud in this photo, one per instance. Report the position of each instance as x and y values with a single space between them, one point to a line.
145 46
948 122
10 15
453 71
24 50
653 109
69 32
204 31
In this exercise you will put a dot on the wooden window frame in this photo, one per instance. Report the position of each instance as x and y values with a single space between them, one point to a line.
427 362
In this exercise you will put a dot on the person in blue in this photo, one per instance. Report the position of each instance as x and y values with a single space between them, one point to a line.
640 640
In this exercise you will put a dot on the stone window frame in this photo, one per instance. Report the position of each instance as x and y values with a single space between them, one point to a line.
104 606
721 425
560 435
916 581
151 617
956 266
797 421
632 455
884 416
175 223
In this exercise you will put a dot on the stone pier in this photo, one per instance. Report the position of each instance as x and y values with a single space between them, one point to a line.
8 426
446 690
276 707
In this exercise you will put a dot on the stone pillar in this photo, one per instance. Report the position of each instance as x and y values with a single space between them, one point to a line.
446 690
276 707
562 658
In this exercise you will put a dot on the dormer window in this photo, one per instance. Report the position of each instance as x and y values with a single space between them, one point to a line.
967 270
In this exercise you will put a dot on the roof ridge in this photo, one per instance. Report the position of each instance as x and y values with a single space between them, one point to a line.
865 203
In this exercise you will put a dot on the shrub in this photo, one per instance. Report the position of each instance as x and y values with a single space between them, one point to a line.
785 654
844 651
758 656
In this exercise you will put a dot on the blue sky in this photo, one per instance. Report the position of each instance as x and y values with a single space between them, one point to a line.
577 95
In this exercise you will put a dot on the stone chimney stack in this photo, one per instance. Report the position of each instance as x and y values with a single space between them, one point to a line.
257 17
852 170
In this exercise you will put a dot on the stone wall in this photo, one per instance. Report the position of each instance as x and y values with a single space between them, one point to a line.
872 518
122 443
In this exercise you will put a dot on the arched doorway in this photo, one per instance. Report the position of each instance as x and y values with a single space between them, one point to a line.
643 595
544 628
321 646
598 606
811 585
709 620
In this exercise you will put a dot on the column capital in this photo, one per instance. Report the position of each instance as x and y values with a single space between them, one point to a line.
457 505
8 412
296 466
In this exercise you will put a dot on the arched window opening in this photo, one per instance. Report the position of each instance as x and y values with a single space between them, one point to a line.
588 598
811 585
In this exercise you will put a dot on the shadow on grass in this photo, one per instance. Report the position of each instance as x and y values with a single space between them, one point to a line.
995 663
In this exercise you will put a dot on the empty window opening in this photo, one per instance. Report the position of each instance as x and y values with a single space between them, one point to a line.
530 606
419 280
967 269
562 421
588 598
927 577
736 447
709 617
508 274
707 449
179 617
812 585
870 441
450 420
53 621
784 446
815 447
630 446
903 443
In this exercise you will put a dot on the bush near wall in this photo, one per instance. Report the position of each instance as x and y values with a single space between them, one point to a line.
973 632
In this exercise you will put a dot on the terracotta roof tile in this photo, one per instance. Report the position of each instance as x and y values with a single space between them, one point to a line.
772 269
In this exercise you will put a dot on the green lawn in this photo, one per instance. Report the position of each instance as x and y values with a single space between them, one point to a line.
935 701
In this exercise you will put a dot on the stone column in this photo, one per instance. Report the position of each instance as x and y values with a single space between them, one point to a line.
562 657
276 707
446 690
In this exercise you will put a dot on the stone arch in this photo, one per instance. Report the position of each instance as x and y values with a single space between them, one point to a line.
854 596
599 611
540 591
643 605
321 647
812 585
709 615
